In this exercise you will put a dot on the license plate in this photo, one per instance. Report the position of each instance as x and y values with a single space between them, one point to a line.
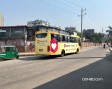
40 49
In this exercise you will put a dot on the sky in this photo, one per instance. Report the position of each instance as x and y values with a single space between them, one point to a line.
62 13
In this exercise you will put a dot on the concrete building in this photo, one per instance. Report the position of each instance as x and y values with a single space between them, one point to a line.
88 31
1 20
37 22
71 30
13 35
22 37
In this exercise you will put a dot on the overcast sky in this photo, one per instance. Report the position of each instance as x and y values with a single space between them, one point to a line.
58 12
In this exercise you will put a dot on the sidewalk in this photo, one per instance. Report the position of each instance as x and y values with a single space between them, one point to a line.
33 53
26 53
87 48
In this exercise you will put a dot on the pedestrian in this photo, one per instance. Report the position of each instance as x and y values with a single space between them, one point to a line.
103 45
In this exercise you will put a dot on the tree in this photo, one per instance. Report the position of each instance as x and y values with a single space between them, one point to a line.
96 37
78 33
109 33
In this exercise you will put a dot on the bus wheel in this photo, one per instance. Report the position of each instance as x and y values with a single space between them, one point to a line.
77 51
62 53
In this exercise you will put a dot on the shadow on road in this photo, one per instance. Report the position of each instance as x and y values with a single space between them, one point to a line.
38 58
43 57
56 57
81 58
47 57
2 60
74 80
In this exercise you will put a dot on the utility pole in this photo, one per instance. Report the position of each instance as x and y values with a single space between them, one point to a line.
102 35
81 16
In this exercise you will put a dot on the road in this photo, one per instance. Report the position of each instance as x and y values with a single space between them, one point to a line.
59 72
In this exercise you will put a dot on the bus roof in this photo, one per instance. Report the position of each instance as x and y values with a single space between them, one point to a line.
49 28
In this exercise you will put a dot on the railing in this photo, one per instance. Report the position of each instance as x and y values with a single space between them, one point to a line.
87 44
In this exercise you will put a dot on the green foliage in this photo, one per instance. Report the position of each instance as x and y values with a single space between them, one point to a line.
109 34
79 34
96 37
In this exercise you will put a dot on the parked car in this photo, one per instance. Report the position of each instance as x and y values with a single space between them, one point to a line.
8 52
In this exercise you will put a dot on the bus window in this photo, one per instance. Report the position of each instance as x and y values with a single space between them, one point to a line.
41 35
56 36
61 38
52 36
74 40
68 39
65 38
71 39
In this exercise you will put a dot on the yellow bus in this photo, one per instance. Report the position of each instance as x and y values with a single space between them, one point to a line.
51 42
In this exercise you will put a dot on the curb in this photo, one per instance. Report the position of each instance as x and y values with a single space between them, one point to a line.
26 54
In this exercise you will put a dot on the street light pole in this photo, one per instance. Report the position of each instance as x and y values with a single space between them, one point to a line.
102 35
82 14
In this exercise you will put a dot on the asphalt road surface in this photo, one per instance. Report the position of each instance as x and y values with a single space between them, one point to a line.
90 69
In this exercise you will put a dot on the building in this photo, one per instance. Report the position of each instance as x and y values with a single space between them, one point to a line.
37 22
88 31
1 20
20 36
71 30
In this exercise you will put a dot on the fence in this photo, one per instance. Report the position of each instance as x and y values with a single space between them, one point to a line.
88 44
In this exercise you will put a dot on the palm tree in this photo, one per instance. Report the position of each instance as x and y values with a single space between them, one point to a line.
110 33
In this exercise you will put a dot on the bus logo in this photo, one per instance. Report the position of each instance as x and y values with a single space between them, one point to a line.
54 45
